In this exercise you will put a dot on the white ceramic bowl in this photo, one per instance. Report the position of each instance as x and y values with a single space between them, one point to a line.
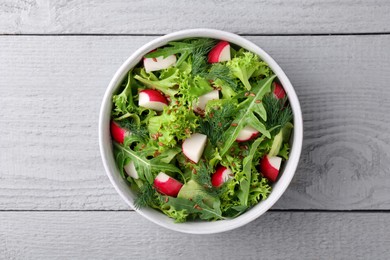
199 227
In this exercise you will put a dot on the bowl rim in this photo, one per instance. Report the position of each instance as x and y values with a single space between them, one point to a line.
199 227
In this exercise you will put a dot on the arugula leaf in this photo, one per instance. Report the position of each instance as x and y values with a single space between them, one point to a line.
121 161
248 108
146 167
168 155
198 207
245 182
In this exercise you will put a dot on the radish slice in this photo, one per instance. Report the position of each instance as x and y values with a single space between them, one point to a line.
278 91
152 99
131 171
246 134
202 100
221 175
118 133
193 146
220 52
269 167
159 63
167 185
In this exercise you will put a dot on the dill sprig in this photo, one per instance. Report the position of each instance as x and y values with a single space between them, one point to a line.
279 112
202 175
217 121
145 196
141 131
222 72
199 64
197 47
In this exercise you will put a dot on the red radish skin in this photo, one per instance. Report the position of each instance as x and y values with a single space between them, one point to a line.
152 99
167 185
279 92
220 52
118 133
269 167
246 134
221 175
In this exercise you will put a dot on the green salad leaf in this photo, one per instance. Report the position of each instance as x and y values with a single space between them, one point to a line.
197 206
249 108
166 83
146 168
244 66
245 181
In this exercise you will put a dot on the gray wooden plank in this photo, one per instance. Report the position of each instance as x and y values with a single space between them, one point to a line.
125 235
51 89
151 16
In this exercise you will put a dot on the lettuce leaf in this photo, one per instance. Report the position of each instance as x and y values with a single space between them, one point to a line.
176 122
244 66
259 188
167 82
123 104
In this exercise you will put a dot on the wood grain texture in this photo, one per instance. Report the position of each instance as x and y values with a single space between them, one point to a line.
125 235
50 94
158 17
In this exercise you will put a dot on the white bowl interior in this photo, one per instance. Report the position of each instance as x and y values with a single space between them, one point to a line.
199 227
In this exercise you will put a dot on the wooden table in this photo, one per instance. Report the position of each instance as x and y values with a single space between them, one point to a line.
56 59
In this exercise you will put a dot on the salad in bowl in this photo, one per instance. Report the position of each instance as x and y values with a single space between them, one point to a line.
201 131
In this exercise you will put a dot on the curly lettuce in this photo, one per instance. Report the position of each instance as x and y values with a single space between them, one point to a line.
247 65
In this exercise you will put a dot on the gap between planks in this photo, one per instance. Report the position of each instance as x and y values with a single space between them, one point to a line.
156 35
272 210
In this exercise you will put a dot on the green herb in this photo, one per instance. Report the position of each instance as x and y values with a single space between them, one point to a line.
202 175
197 47
199 63
278 115
223 73
217 120
145 196
250 108
137 130
146 167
